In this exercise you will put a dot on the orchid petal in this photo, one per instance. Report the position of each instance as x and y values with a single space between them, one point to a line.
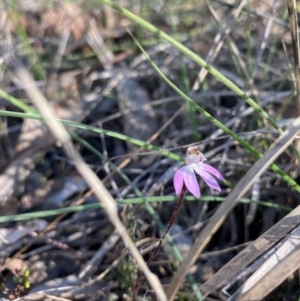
178 180
212 170
191 182
208 179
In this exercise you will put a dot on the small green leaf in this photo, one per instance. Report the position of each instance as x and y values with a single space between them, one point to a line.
27 284
26 273
18 280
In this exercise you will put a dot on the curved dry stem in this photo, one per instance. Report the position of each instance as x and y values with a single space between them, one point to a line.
155 251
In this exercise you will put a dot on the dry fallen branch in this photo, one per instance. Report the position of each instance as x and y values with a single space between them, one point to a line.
280 265
252 252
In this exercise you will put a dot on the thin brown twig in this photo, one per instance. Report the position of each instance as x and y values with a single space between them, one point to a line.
154 253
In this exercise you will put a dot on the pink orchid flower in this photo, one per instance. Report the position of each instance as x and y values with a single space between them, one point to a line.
186 174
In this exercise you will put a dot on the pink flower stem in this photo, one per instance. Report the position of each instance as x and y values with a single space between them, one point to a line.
154 253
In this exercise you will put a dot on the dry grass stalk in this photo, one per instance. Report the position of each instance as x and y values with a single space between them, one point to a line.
103 195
